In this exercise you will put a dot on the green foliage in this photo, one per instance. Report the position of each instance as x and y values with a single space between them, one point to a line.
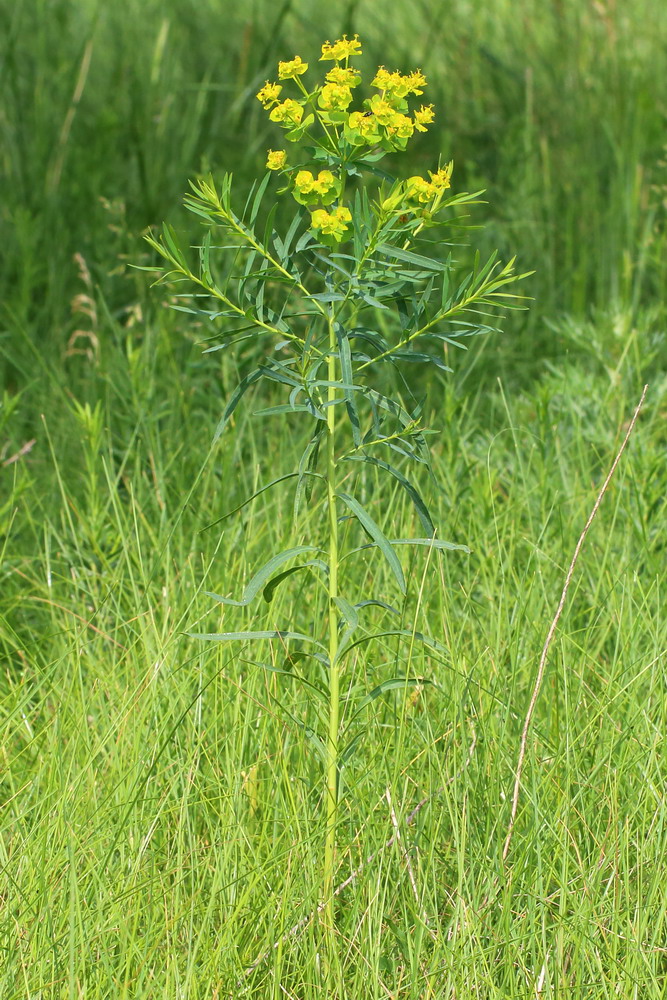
117 729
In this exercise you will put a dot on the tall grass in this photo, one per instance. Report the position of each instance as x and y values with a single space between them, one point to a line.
156 796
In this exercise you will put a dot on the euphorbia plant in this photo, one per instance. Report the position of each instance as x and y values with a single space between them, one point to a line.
356 282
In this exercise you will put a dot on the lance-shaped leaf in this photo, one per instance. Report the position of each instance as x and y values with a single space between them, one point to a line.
257 201
248 636
412 492
260 580
270 588
316 688
429 543
345 356
411 258
377 604
351 619
377 535
236 397
307 464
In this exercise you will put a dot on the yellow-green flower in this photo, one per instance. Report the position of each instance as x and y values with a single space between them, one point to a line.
419 189
383 79
305 183
417 82
276 159
443 178
383 111
269 94
341 49
333 97
395 85
401 126
288 113
331 223
363 123
325 182
423 117
343 76
291 69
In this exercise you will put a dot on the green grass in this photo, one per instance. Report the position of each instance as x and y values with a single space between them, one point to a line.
157 826
159 795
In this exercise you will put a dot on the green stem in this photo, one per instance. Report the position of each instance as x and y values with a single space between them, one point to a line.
332 744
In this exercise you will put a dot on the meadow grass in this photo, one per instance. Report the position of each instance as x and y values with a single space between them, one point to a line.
158 795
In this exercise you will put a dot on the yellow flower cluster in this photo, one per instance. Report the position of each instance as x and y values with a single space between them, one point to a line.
288 113
291 69
398 86
423 117
343 76
276 159
419 189
269 94
385 122
342 49
334 97
305 183
332 223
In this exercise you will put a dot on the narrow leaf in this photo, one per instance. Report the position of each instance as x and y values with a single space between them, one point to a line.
246 636
410 258
280 479
378 604
408 633
346 371
412 492
274 583
378 537
240 390
261 578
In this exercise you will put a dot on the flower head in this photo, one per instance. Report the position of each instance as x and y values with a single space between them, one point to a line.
276 159
423 117
341 49
417 82
383 79
383 111
364 123
334 97
288 113
291 69
331 223
396 86
269 94
343 76
419 189
401 126
305 183
443 178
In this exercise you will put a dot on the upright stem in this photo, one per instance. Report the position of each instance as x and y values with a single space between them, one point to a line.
332 744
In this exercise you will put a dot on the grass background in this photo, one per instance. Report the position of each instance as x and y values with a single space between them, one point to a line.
158 808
